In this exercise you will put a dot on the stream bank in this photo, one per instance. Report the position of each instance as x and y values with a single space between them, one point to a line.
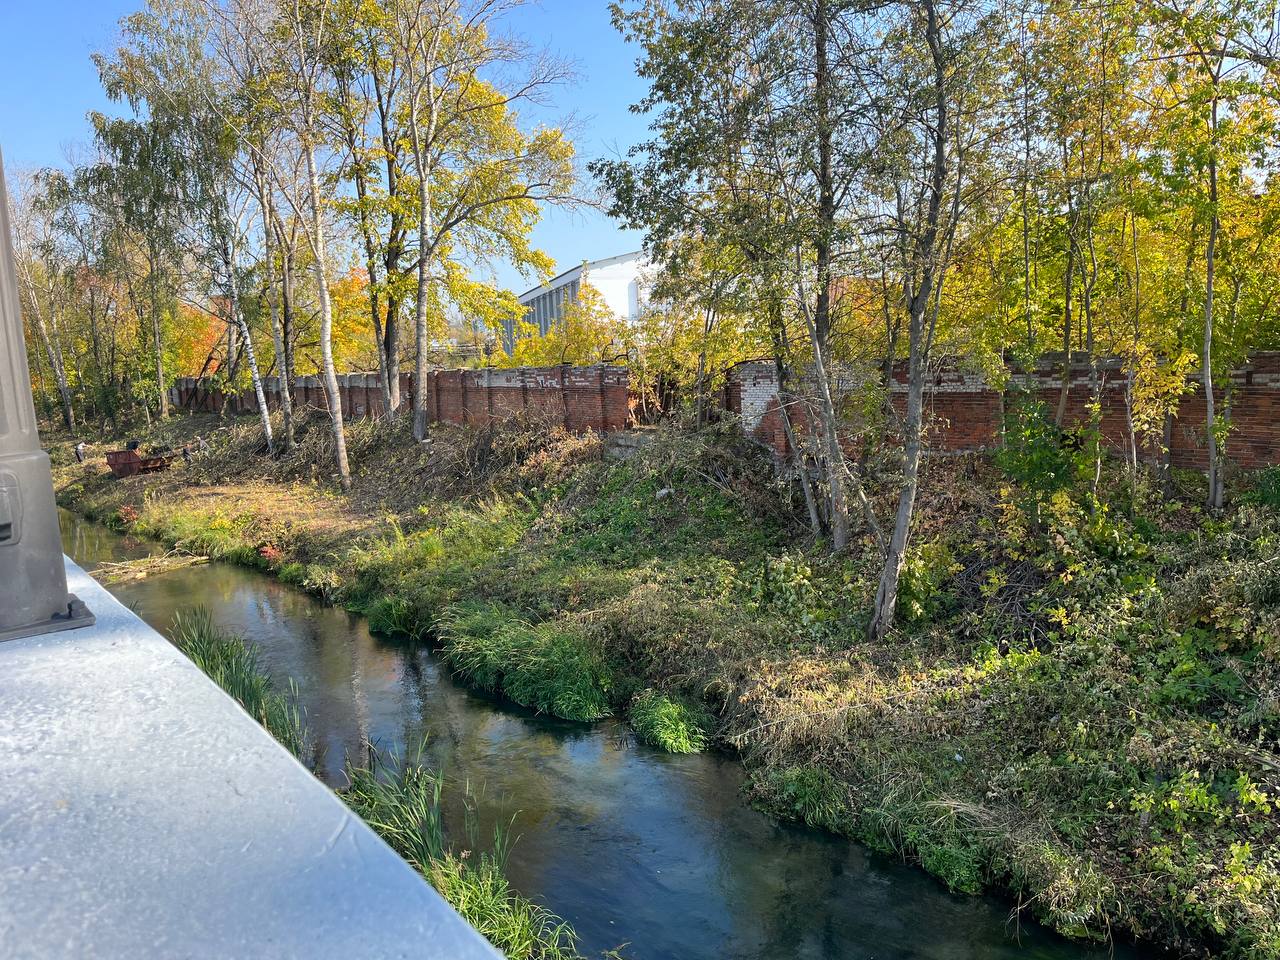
1077 709
630 845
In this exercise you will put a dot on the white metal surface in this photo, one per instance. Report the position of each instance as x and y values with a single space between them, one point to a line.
144 814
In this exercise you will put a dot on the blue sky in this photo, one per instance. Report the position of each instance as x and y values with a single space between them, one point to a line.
48 84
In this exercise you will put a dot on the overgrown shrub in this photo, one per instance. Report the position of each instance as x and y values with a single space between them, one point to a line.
1266 488
1033 453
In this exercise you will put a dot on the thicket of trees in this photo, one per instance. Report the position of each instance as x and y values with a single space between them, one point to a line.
986 179
305 185
302 184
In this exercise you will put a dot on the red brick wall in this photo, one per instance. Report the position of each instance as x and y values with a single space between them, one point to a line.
580 398
963 412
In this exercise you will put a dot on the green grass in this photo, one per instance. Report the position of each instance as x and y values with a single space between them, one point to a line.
548 666
626 514
401 801
394 617
233 666
668 724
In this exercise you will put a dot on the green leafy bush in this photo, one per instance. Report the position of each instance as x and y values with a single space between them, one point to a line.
1032 453
925 571
1266 488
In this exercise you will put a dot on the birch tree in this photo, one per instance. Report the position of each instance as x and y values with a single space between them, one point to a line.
36 252
480 176
164 68
940 91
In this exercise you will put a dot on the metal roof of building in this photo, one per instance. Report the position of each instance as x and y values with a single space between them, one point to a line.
568 276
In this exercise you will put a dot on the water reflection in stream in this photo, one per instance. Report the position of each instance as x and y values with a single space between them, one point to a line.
630 845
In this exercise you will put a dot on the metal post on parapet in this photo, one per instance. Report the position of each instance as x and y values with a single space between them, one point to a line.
33 580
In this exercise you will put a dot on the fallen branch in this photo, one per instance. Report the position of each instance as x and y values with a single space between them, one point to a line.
126 571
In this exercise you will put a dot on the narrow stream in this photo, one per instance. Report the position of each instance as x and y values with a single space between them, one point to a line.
630 845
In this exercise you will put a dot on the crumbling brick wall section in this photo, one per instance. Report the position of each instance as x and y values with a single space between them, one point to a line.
579 398
963 412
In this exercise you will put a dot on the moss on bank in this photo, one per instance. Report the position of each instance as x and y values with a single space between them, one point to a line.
1080 705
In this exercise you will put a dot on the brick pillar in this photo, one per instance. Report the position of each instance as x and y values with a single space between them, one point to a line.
564 393
604 419
359 395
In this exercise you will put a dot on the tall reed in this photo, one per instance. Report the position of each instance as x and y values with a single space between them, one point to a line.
233 665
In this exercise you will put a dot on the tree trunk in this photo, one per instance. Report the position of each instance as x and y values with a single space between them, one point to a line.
1130 380
391 349
394 247
52 348
278 342
422 344
1215 498
700 387
828 427
425 251
1061 413
820 326
368 235
330 375
278 337
826 176
237 317
923 310
801 467
287 326
886 601
155 336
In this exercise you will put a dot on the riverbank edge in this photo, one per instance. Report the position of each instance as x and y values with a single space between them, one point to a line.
398 798
1022 861
785 800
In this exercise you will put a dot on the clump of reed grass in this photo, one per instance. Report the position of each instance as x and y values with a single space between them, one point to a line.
400 800
394 617
547 666
233 665
668 724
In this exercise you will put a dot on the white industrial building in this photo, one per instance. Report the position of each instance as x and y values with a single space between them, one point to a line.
619 280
